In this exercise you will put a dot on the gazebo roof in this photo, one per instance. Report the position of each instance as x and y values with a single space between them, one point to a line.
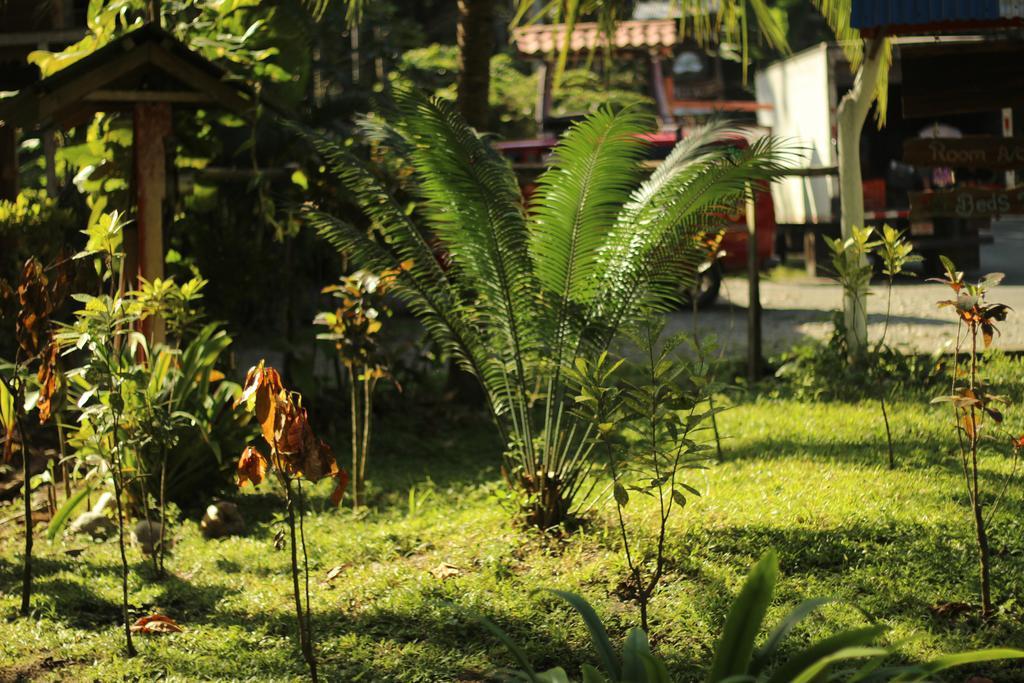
629 35
144 65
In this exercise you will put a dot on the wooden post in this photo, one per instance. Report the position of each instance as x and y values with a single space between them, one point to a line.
754 361
543 96
658 81
50 155
1011 175
8 162
151 125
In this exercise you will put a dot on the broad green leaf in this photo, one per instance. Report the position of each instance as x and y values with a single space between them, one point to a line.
823 649
779 633
514 650
598 636
736 645
923 671
812 672
60 519
633 650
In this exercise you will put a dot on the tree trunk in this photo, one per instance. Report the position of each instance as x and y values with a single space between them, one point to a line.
850 116
475 37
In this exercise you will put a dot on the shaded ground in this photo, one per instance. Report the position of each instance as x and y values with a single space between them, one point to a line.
800 308
806 479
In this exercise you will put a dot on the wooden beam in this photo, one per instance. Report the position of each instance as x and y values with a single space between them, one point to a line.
37 38
658 82
543 95
945 78
151 125
133 96
755 362
8 162
52 104
223 93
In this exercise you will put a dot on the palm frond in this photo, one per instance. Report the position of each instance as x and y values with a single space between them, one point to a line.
474 206
665 216
594 169
449 322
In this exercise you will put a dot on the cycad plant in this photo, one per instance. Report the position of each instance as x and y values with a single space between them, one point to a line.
522 291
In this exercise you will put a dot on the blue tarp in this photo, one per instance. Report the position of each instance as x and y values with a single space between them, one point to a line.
878 13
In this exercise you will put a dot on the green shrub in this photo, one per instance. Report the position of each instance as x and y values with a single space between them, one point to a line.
518 295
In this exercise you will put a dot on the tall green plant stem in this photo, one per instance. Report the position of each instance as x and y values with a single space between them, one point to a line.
367 416
63 447
979 519
711 394
310 653
361 399
634 569
305 644
882 387
118 473
26 576
163 507
969 461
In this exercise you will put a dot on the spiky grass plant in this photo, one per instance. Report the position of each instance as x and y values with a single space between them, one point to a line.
522 291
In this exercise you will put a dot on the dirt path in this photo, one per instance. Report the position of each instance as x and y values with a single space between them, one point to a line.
802 308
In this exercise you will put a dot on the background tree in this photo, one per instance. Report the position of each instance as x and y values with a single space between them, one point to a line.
475 38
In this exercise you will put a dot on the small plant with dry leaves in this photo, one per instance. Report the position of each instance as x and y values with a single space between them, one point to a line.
977 411
293 453
31 305
353 327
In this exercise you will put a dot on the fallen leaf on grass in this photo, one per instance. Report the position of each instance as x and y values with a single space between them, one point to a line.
334 573
156 623
445 571
951 610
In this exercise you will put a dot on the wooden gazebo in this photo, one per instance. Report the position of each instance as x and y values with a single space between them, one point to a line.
148 73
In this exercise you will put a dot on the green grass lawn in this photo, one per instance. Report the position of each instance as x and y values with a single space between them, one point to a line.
805 478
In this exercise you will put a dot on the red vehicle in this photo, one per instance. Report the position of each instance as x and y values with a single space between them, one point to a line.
529 159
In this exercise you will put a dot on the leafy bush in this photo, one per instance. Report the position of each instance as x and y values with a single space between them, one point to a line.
738 659
822 371
515 298
664 410
191 430
353 328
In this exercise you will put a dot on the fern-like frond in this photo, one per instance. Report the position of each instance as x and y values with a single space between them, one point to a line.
449 322
474 205
664 220
594 169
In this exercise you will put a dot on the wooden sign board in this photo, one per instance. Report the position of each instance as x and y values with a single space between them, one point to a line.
970 152
970 202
